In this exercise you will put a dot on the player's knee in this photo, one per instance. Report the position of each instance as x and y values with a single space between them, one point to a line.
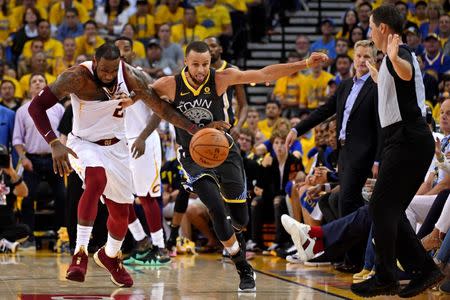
118 211
240 222
95 178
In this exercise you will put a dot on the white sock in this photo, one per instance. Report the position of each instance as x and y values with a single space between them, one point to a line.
83 236
158 238
137 231
233 249
112 246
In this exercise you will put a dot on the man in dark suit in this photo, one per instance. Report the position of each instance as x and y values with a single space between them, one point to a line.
358 129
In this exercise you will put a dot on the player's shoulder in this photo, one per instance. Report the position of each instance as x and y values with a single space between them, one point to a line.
73 76
163 81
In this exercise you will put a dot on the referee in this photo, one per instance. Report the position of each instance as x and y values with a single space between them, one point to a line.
407 154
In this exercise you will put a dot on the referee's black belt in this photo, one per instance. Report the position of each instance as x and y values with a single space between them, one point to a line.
342 143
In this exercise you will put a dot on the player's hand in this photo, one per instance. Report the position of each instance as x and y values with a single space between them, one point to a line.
313 192
317 58
290 139
235 132
27 164
373 71
138 148
60 155
126 100
392 47
219 125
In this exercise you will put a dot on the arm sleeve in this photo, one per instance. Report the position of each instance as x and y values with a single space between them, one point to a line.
38 112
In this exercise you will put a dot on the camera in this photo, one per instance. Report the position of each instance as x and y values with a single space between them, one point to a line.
4 157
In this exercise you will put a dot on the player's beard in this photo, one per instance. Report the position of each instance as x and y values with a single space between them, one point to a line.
195 79
104 84
214 59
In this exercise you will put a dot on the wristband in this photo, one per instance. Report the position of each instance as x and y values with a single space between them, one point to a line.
307 65
53 141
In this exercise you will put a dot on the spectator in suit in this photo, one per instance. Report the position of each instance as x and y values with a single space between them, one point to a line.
358 129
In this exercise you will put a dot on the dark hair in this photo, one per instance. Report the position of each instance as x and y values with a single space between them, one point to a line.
42 21
189 7
215 38
7 81
73 10
277 103
389 15
445 77
345 28
108 51
342 39
401 3
90 22
345 56
36 13
4 8
38 74
351 43
122 5
365 3
197 46
124 38
247 131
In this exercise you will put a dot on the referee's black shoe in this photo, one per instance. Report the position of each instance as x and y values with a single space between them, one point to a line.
421 283
372 287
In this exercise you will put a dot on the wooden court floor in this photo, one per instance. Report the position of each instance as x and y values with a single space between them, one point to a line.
40 276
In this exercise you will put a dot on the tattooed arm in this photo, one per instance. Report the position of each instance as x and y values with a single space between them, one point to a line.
139 82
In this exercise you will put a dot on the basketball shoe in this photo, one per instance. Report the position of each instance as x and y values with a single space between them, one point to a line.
150 257
78 267
114 266
246 274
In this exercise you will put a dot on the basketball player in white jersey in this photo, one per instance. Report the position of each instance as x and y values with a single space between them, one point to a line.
145 169
98 149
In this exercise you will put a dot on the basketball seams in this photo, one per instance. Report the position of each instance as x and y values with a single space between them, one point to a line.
213 143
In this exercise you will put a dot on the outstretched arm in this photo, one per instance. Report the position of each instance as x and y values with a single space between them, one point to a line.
233 76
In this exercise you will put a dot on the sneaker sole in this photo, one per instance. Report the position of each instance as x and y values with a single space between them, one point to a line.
427 285
252 290
75 276
100 264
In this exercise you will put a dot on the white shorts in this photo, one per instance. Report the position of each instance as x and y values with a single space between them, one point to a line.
146 169
115 159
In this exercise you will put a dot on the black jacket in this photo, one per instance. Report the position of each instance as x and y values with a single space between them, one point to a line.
363 132
270 180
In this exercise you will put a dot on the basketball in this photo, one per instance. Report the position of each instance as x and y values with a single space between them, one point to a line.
209 148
